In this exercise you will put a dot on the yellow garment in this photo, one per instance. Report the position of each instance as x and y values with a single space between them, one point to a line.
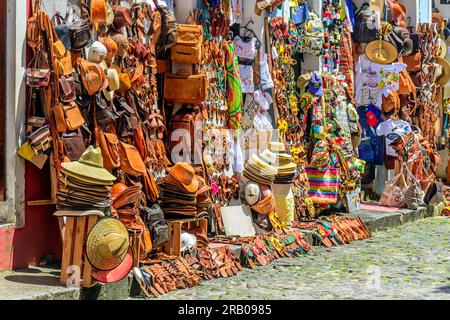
284 203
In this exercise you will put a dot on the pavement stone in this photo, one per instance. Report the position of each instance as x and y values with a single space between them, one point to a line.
408 262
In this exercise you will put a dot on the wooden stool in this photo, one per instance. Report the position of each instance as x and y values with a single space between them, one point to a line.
175 227
74 231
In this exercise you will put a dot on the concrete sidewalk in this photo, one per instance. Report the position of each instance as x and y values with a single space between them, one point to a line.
42 283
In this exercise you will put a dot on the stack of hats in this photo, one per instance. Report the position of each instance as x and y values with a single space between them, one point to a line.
179 189
85 184
108 250
259 168
284 162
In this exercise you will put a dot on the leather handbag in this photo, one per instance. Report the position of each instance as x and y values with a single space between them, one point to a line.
80 34
60 119
122 17
185 89
67 89
110 147
150 187
183 121
62 31
41 139
73 117
186 54
189 35
131 161
33 33
37 78
73 145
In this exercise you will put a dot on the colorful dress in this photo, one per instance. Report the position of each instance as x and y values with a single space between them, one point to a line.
234 90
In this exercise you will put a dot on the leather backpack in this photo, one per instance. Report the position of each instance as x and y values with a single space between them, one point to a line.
159 228
91 76
169 30
365 25
62 31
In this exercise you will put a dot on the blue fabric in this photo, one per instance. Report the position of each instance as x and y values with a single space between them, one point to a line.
372 149
351 11
300 13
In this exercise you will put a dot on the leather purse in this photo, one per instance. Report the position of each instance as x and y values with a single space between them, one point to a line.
80 34
62 31
110 147
131 161
182 89
189 35
67 93
265 206
73 145
122 17
38 78
41 139
150 187
73 117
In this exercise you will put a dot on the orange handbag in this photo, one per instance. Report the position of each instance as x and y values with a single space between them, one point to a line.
150 187
110 146
182 89
189 35
67 117
131 161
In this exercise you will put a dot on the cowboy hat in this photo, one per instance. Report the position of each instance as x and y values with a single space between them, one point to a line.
445 75
90 166
107 244
381 52
116 274
184 173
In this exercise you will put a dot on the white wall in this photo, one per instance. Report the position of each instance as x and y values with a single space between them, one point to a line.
12 210
444 9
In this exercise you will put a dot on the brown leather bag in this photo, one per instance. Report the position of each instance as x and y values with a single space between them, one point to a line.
187 54
141 143
73 145
33 31
91 76
73 117
110 146
150 187
131 161
265 206
182 89
122 17
189 35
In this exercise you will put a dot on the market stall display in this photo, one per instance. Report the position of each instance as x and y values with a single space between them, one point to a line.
154 125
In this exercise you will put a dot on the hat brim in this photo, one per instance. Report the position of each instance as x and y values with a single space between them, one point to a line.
118 273
386 55
192 187
445 76
88 173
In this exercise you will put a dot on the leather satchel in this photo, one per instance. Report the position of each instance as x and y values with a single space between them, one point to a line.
110 147
67 92
187 54
131 161
159 228
73 145
62 31
73 117
182 89
80 34
150 187
41 139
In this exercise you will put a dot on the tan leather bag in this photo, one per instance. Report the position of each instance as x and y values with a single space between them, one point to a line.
186 54
60 119
182 89
110 146
150 187
189 35
131 161
73 117
64 64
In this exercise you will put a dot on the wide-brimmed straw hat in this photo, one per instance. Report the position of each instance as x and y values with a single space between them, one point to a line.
383 53
116 274
445 75
107 244
90 166
184 173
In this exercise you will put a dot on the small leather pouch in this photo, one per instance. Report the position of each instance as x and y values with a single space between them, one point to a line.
131 161
73 117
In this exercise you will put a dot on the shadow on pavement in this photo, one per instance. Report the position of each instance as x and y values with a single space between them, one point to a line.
36 280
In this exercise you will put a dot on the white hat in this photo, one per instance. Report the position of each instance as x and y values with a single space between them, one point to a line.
252 193
97 52
187 241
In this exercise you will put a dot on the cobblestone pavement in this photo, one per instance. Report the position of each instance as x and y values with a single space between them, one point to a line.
408 262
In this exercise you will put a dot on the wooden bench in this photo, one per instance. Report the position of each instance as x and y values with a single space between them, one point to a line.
175 227
75 267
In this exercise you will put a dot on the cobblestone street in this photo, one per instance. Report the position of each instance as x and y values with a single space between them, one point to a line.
408 262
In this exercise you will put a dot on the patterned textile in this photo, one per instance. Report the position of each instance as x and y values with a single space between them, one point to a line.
323 185
234 90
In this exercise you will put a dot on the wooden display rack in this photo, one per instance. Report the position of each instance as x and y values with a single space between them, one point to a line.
75 266
175 227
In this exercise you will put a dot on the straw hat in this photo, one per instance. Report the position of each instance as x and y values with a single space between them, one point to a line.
184 173
269 157
386 55
107 244
277 147
377 5
443 48
118 273
90 166
445 75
